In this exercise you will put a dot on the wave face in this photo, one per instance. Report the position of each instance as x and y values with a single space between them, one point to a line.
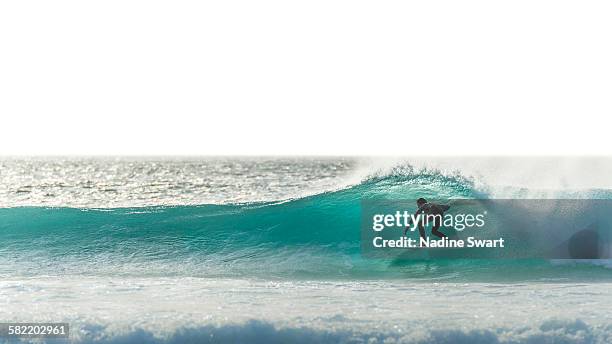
311 237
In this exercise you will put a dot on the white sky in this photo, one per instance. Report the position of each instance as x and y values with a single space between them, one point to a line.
305 77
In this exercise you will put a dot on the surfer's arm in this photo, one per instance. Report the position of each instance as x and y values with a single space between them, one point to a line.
408 226
410 221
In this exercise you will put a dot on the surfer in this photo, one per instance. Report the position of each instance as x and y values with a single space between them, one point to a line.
431 211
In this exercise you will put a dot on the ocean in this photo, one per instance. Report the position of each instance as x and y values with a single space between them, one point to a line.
267 250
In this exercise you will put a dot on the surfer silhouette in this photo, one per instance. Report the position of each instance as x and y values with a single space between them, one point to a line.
427 208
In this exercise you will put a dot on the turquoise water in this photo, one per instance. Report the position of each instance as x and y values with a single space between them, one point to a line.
315 236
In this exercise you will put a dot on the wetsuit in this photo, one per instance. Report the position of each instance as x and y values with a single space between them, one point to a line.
432 209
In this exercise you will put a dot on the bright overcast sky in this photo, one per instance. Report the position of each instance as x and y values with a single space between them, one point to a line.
305 77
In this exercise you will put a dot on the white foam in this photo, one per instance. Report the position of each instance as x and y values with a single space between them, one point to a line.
541 177
231 310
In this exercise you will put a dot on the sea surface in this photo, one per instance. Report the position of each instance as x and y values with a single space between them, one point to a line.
267 250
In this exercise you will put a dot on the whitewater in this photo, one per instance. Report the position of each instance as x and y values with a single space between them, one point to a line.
267 250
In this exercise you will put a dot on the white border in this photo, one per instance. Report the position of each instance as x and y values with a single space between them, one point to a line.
305 78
